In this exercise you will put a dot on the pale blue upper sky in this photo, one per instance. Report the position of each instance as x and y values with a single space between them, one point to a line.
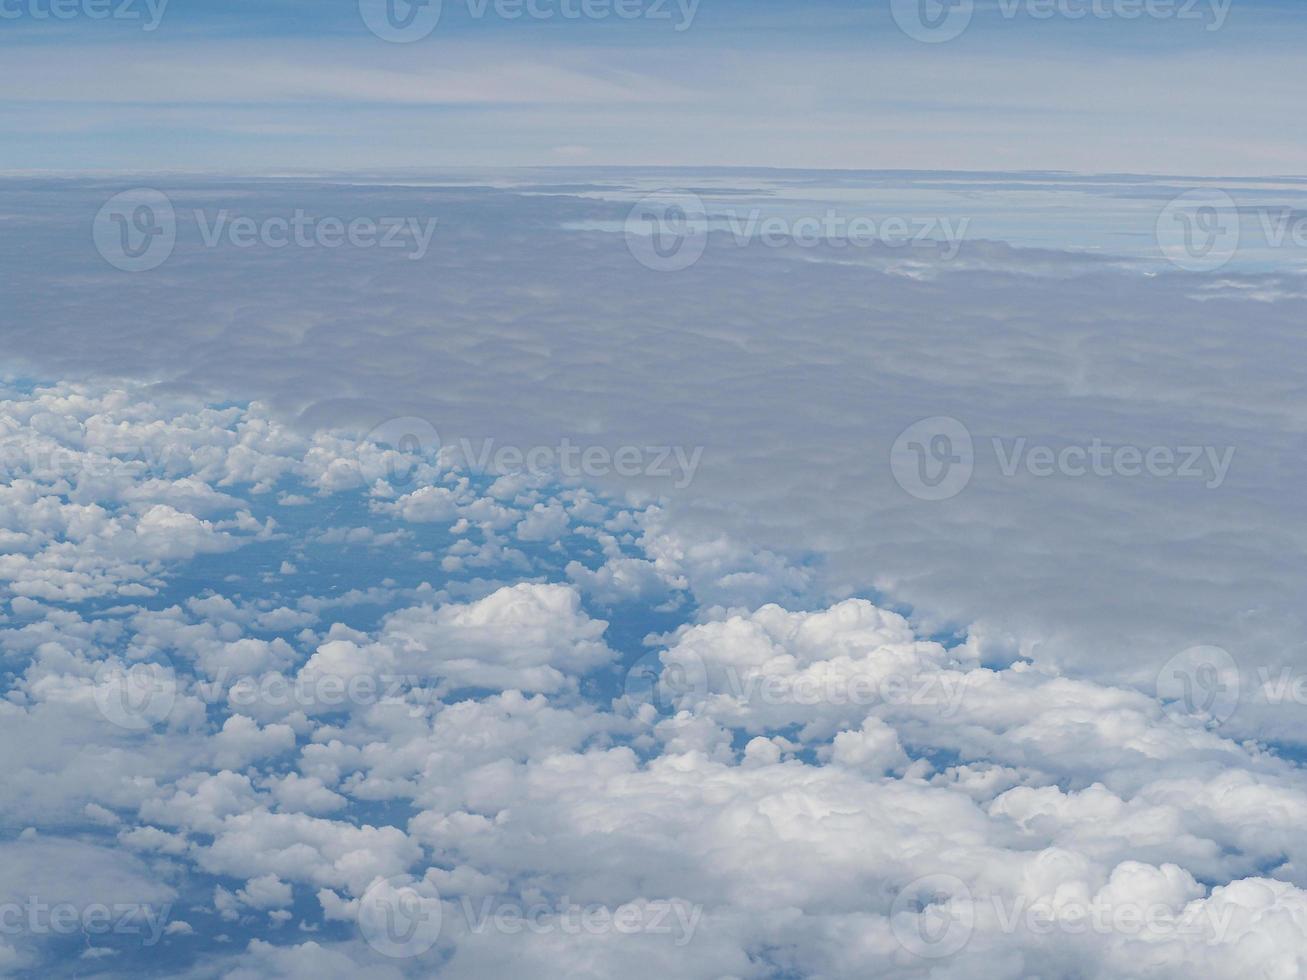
1206 87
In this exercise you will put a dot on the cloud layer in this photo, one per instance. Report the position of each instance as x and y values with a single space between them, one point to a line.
578 756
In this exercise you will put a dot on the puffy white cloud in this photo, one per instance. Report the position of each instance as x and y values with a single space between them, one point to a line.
528 637
812 756
243 741
265 892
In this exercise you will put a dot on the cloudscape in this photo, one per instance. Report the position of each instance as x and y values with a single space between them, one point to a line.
653 488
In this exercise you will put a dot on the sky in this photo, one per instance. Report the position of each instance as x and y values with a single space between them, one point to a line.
735 491
1196 87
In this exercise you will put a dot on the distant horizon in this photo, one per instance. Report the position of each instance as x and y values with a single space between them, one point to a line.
272 173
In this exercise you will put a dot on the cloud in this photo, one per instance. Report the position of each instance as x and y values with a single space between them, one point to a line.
807 760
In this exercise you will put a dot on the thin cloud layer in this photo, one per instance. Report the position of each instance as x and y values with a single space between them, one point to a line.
792 371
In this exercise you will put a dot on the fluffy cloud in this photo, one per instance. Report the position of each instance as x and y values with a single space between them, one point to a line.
809 786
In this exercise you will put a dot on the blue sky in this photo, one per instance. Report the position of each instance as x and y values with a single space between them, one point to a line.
306 86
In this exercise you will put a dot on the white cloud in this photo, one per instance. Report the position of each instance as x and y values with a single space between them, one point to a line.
827 753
